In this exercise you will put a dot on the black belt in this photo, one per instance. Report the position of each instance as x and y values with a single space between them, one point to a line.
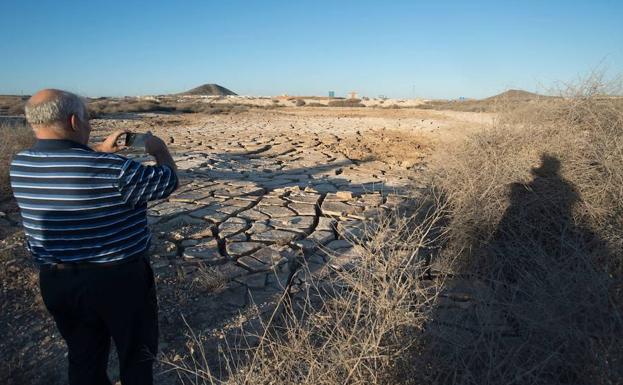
88 265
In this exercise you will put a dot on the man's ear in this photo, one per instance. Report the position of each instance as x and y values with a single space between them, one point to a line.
74 122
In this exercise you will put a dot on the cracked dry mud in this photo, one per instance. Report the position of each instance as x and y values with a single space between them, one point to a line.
262 193
260 196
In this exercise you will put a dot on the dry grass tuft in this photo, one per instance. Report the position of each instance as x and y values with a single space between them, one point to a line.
15 135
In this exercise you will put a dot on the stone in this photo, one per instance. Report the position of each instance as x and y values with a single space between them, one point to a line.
209 200
236 249
280 237
296 223
338 209
271 201
232 226
242 204
303 208
171 208
340 196
370 200
258 227
240 237
276 211
192 231
207 251
190 196
177 222
251 190
270 256
339 244
230 210
233 191
325 223
253 215
315 239
252 264
230 270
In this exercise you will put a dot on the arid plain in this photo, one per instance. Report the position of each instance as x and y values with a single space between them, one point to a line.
263 190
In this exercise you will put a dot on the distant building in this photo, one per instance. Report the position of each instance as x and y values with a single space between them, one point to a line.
331 94
352 95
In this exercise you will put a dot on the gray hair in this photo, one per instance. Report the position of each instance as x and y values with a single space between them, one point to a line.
57 109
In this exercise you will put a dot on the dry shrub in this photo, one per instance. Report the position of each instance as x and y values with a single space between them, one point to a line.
346 103
103 107
15 135
353 325
300 102
536 215
12 105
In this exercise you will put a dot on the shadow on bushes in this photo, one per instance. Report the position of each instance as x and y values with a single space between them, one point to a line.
538 307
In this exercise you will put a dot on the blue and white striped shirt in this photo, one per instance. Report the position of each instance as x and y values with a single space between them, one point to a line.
81 205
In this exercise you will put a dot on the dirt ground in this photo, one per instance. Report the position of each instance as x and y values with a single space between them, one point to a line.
261 190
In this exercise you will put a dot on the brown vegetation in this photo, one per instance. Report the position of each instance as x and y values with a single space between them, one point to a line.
102 107
501 103
15 135
11 105
346 103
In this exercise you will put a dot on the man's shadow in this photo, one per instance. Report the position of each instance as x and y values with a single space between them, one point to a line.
538 229
537 289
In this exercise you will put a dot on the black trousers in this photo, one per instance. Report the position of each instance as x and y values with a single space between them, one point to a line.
91 305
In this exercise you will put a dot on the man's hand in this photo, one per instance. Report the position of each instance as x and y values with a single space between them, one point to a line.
154 145
110 143
158 149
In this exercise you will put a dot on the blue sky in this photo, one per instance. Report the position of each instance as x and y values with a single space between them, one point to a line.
442 49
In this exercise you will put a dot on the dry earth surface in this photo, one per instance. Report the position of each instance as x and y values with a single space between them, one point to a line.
261 191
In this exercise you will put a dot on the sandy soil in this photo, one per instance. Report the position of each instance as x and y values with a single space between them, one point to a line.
262 191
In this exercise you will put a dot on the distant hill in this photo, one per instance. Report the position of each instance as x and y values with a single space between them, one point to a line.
209 90
515 95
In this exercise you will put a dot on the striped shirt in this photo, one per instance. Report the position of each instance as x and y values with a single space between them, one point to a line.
81 205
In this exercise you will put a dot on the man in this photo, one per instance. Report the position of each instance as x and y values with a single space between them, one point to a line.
84 214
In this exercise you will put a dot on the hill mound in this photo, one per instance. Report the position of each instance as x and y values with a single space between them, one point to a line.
515 95
209 90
